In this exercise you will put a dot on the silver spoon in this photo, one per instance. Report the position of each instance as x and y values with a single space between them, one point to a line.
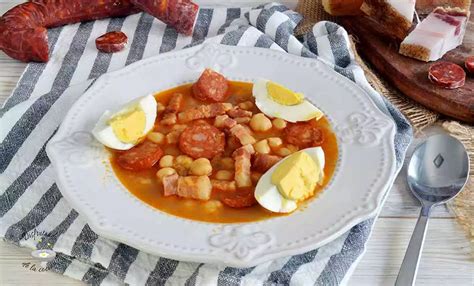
437 172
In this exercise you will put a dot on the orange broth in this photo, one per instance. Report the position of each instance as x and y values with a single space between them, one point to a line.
143 184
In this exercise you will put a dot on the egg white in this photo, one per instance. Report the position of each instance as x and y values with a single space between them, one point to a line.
104 133
292 113
267 194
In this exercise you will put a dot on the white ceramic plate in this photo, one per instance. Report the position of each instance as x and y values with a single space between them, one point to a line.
366 160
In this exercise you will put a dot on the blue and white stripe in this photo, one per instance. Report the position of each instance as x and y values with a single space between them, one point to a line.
30 199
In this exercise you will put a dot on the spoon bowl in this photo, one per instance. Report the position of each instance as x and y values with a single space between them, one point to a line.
437 172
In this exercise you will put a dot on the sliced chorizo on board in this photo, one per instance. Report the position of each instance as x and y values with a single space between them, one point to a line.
180 14
111 42
447 75
140 157
211 86
202 141
469 64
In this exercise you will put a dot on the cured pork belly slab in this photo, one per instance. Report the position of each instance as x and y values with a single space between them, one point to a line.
427 6
440 32
395 16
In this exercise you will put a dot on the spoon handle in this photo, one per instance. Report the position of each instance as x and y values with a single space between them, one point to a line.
407 274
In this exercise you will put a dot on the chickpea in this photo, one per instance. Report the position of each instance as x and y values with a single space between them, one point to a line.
219 121
227 163
279 123
246 105
166 161
200 167
262 147
160 107
283 152
156 137
212 206
184 161
164 172
260 122
292 148
179 127
224 175
274 142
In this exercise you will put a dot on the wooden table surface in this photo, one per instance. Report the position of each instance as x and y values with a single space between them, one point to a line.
446 257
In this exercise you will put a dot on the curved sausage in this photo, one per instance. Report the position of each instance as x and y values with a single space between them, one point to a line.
469 63
23 33
303 135
447 75
202 141
211 86
180 14
140 157
111 42
242 198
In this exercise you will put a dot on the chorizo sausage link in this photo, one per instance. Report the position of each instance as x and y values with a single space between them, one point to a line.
23 33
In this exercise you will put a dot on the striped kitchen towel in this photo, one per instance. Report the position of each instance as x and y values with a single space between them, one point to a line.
33 212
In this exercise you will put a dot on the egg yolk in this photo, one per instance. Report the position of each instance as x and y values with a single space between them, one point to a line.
296 177
283 95
129 126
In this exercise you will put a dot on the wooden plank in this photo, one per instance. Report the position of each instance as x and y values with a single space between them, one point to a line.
410 75
445 259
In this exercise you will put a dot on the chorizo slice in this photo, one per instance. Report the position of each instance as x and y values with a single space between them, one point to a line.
303 135
204 111
447 75
211 86
263 162
173 107
111 42
180 14
140 157
241 198
469 64
202 141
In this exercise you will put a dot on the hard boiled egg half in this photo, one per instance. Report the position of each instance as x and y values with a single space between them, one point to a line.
123 128
291 180
278 101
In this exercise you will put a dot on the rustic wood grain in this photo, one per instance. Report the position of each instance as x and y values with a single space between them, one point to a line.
411 76
445 259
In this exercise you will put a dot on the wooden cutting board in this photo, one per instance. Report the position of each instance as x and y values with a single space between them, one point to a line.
410 76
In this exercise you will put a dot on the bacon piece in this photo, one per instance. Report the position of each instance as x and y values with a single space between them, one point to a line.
224 186
236 112
174 106
263 162
204 111
170 185
242 158
243 134
223 121
195 187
